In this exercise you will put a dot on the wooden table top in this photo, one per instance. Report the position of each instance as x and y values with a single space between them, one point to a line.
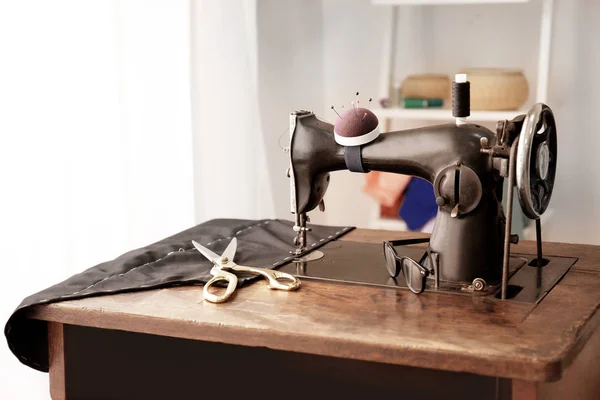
485 336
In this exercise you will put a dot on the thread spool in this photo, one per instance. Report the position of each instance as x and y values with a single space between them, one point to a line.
461 99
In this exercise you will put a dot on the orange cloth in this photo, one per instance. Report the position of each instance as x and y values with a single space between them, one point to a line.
387 189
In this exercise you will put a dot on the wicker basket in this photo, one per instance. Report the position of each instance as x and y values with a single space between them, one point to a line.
426 86
497 89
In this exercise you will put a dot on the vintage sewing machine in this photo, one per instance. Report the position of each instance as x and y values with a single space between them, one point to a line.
469 249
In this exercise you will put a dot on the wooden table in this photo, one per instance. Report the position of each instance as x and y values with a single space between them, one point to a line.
343 341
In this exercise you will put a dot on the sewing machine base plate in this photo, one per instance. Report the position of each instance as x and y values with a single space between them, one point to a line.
363 263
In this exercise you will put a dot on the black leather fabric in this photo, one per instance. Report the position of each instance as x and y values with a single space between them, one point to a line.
170 262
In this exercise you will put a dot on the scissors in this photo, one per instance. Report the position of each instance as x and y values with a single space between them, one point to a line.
224 263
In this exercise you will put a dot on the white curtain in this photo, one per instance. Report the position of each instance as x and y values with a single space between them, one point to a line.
96 143
231 173
97 104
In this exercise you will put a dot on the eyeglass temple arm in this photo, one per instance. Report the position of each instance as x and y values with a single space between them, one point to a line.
405 242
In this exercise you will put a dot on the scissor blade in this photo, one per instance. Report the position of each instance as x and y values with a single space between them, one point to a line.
230 250
213 257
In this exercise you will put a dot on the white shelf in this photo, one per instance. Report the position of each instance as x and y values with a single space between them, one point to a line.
441 2
443 114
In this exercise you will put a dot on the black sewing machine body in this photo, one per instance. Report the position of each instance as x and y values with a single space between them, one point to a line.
466 164
470 243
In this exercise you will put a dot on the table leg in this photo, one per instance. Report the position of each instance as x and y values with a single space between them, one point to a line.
56 350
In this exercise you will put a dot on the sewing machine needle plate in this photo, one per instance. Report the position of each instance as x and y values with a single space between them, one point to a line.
312 256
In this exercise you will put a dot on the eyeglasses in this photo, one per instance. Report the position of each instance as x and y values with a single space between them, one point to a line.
414 273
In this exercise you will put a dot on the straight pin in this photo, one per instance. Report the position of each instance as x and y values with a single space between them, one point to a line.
333 108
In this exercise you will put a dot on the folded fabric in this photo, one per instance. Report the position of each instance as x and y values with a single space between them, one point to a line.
170 262
385 188
419 205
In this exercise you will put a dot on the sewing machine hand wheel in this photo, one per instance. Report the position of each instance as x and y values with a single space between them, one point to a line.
536 160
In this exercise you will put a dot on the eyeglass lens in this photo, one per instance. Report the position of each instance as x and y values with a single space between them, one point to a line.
390 261
414 276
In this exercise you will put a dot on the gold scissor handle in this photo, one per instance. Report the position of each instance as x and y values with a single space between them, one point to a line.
273 277
220 275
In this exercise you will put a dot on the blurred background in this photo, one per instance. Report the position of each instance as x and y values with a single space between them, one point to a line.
123 122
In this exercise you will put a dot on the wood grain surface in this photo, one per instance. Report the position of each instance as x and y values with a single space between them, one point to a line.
56 352
458 333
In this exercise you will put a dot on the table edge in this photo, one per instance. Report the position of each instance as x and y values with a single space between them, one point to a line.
535 368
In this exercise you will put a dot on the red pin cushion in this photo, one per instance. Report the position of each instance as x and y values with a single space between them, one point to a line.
355 127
